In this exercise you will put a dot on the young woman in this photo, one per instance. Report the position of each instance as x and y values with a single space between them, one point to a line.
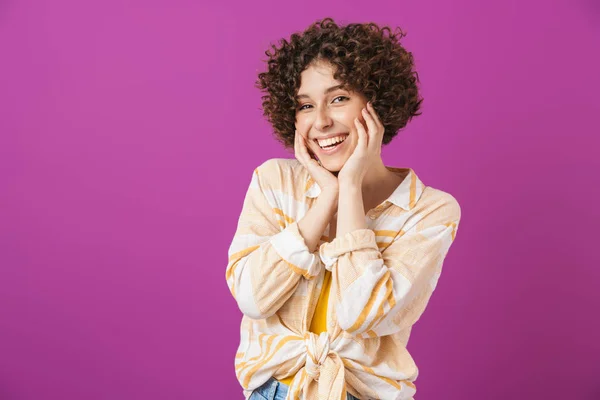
336 255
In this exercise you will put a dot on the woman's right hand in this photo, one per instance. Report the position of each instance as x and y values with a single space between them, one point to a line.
325 179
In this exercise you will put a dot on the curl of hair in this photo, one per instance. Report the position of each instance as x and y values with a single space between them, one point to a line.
366 58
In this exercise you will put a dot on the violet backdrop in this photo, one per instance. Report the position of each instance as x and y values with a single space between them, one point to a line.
129 131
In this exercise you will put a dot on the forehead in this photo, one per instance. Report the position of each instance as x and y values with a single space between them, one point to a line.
316 78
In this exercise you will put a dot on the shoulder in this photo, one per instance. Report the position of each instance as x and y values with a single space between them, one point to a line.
280 172
439 205
280 168
278 165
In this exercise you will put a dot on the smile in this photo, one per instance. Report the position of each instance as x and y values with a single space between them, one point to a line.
331 144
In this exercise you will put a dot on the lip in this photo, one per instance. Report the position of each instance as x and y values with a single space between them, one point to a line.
331 135
334 150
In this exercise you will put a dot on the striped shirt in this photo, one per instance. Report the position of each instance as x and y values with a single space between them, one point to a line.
382 279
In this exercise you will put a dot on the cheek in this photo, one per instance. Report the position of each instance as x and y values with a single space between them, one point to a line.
302 126
353 137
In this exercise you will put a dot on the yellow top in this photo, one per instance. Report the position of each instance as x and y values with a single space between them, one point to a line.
319 321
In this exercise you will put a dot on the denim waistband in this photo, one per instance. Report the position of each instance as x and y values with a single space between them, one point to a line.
275 390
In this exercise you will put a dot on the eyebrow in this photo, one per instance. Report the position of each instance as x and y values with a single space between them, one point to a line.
328 90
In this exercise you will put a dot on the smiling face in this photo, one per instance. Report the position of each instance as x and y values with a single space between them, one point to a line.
326 110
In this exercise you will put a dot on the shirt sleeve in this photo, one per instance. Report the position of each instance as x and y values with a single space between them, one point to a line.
268 256
381 293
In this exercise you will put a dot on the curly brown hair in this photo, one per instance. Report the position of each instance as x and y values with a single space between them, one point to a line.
363 57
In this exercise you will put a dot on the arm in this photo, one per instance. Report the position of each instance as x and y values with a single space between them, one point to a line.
268 257
315 221
382 293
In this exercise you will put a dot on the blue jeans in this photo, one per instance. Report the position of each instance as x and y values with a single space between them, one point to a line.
275 390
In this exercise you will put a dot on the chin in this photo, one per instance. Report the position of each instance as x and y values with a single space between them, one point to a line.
333 167
334 164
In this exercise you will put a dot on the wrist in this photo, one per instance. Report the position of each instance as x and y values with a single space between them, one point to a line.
330 193
346 186
329 200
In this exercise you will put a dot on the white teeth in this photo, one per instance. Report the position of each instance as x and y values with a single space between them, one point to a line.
330 141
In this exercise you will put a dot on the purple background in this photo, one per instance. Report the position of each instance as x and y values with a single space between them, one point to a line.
128 135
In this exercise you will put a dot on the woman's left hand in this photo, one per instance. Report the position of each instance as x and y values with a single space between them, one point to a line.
367 150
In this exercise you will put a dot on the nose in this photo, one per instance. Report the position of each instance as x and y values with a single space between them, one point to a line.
323 120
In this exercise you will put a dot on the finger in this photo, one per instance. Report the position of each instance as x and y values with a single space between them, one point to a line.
374 115
373 129
362 135
305 150
376 126
298 147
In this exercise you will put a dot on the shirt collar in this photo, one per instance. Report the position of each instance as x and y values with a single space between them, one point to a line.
405 196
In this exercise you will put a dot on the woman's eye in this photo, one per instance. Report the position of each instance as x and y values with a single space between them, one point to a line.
338 97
